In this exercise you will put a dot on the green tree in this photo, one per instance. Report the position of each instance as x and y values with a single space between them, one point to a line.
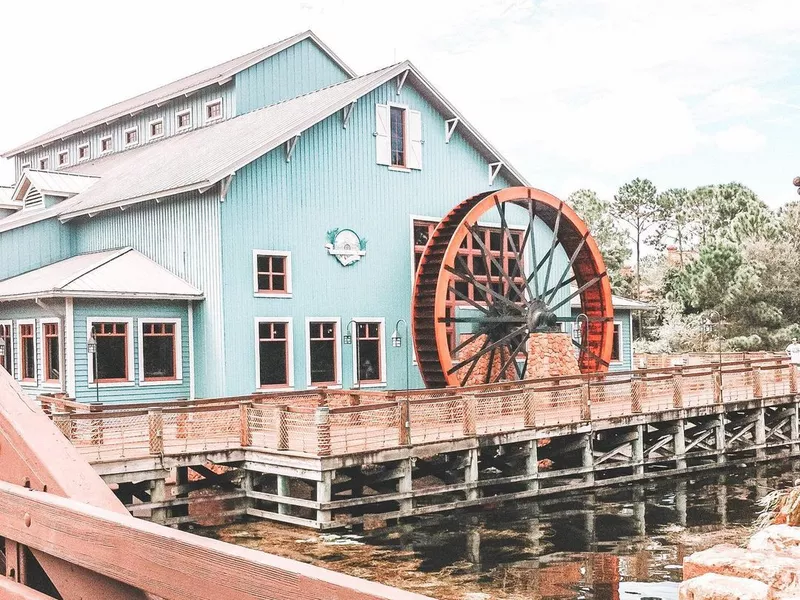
635 203
674 221
612 240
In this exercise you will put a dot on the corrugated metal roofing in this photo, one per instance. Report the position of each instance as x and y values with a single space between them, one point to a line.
617 302
53 183
200 158
122 273
216 74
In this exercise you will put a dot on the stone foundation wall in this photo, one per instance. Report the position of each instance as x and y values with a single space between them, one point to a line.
768 569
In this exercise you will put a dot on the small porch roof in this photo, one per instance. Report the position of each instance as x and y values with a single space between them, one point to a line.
619 302
119 274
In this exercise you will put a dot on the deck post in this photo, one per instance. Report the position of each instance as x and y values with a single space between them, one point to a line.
405 485
679 443
155 426
792 379
794 424
404 424
62 421
532 465
636 393
719 433
588 458
716 374
680 501
638 451
470 403
471 474
245 436
586 400
281 420
324 491
757 386
283 490
322 420
158 493
760 433
677 388
97 424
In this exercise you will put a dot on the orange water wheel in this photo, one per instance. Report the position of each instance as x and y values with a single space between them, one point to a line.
482 292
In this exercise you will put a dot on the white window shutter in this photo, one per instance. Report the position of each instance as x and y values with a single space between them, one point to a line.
414 158
383 146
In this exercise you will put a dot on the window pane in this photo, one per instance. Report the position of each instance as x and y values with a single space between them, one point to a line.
159 356
53 359
262 263
28 359
615 354
272 356
280 330
329 330
264 331
368 360
111 359
264 282
323 358
397 126
421 235
278 264
278 283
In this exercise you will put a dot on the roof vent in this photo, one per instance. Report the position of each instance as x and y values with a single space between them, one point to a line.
33 199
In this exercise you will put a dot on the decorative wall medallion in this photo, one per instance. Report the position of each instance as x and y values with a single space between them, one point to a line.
346 246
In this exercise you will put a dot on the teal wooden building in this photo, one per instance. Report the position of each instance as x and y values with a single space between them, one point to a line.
183 243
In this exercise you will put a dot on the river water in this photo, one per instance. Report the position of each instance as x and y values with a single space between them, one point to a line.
616 543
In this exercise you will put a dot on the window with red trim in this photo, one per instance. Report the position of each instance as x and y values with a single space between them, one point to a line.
370 367
322 352
27 352
112 352
52 353
272 274
159 352
8 359
397 130
273 354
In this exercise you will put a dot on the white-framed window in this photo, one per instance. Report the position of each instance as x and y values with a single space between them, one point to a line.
272 273
25 166
155 129
113 360
160 351
50 343
323 351
273 353
43 162
398 137
183 120
213 110
7 335
63 158
132 136
616 348
26 351
83 152
106 144
369 351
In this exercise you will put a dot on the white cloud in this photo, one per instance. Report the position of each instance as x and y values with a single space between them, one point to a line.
733 101
740 138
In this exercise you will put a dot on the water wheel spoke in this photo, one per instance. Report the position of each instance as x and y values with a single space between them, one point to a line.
518 258
590 353
469 340
486 349
467 299
475 362
568 268
512 358
580 290
555 289
531 215
591 319
469 278
554 242
495 320
494 261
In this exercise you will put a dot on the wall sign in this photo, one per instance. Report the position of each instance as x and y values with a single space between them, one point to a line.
346 246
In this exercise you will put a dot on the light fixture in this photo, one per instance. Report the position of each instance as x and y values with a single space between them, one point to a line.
2 348
91 344
347 339
397 341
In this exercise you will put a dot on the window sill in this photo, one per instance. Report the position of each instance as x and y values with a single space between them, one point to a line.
400 169
161 382
267 390
272 295
319 386
111 384
376 384
212 120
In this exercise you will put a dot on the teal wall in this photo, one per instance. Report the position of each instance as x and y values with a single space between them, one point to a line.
33 246
133 391
623 318
298 70
182 235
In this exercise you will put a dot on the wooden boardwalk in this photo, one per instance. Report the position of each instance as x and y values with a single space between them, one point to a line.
328 458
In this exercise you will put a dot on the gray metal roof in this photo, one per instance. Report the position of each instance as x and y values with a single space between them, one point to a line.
218 74
619 302
121 273
199 159
52 183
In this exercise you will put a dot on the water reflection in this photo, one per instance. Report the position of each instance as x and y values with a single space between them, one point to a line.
605 545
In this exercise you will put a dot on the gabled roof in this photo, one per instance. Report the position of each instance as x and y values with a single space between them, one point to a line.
121 273
6 192
215 75
52 183
201 158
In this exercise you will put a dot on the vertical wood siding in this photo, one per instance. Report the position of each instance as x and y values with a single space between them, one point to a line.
333 181
298 70
33 246
182 235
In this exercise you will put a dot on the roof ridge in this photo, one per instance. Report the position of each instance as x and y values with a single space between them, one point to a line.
59 173
114 255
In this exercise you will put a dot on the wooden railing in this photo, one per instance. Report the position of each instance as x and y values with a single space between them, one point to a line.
336 422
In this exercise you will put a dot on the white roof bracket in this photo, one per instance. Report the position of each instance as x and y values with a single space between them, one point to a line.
401 81
224 187
449 129
494 169
348 110
290 147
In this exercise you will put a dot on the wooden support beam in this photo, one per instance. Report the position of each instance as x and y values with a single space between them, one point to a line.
347 112
401 81
449 129
290 146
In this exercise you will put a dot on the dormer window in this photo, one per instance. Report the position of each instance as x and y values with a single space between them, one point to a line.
213 110
156 128
25 166
106 144
83 152
131 136
63 158
184 120
43 162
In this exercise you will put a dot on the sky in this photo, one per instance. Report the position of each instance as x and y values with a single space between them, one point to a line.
575 93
